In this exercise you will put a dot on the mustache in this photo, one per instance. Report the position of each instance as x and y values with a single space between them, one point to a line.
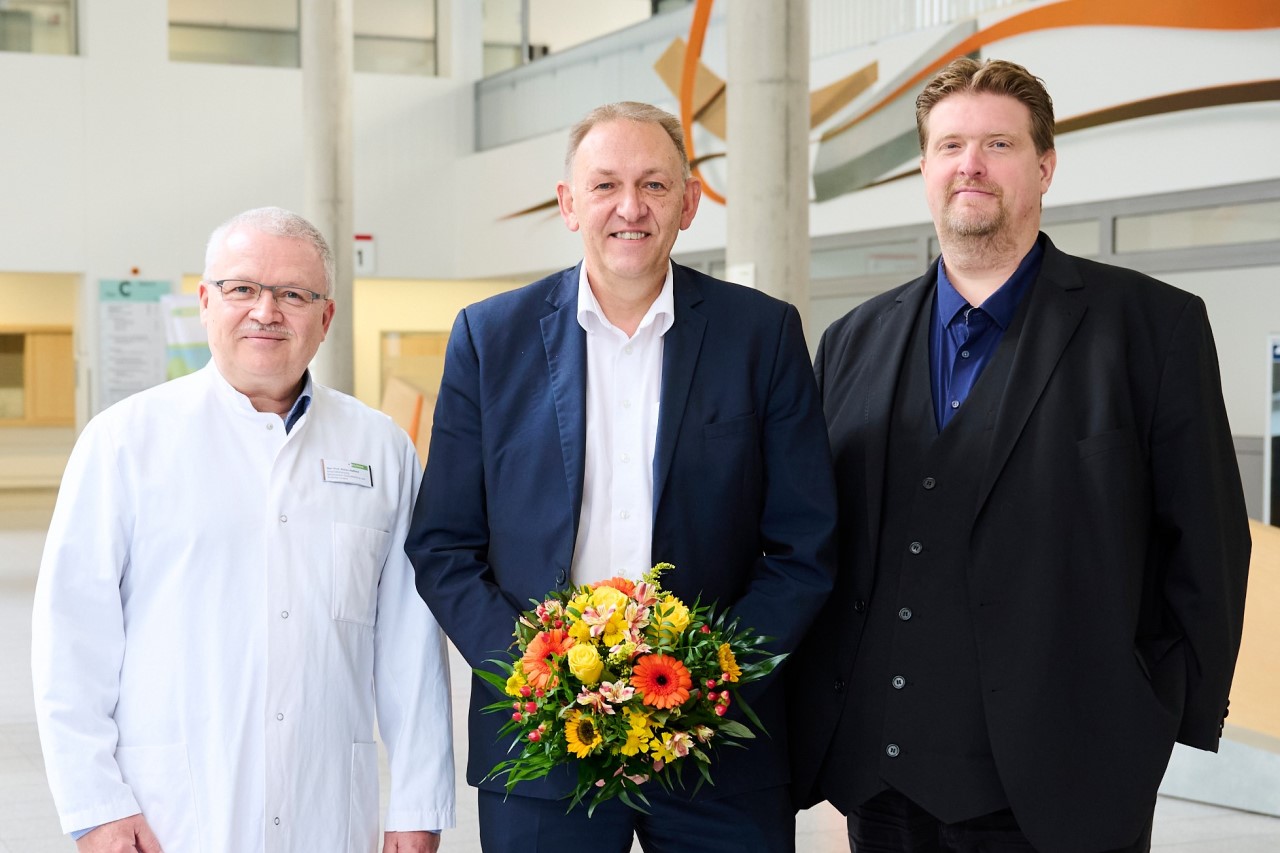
270 328
980 186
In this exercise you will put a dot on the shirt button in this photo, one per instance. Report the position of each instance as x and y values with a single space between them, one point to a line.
892 750
929 482
627 349
626 404
279 716
898 682
277 821
624 515
915 547
626 457
284 614
283 519
964 353
955 404
904 614
271 426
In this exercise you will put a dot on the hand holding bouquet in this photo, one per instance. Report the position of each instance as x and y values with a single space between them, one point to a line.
626 681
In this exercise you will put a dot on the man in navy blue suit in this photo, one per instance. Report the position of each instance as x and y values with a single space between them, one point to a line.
623 412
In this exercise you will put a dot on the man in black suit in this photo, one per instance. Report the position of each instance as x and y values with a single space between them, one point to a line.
1043 540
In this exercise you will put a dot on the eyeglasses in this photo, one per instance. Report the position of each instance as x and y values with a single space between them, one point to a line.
288 297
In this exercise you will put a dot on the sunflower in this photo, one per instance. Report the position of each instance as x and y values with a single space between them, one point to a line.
728 663
537 661
662 680
581 733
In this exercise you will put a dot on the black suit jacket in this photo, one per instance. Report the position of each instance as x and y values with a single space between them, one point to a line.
1109 550
743 497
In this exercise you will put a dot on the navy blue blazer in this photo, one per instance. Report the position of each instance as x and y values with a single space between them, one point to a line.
743 494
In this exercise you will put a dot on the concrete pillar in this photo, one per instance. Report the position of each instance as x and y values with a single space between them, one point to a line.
768 147
460 40
327 34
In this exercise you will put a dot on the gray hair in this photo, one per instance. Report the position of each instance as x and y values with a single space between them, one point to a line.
276 222
627 111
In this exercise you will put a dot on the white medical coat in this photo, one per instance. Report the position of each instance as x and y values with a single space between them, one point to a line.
212 618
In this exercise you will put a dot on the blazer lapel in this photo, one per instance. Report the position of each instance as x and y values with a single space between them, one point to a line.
892 332
566 345
1054 313
680 347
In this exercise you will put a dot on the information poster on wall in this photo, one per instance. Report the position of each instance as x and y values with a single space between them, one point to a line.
187 343
131 337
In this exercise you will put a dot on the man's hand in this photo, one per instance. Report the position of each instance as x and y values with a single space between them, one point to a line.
410 842
127 835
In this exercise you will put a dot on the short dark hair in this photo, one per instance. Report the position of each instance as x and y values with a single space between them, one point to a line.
994 77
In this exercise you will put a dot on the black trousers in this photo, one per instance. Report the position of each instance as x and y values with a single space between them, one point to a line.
891 823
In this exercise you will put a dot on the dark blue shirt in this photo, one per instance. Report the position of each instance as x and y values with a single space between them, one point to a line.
963 338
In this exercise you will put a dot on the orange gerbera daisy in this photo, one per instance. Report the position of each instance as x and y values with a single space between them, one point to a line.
662 680
537 661
622 585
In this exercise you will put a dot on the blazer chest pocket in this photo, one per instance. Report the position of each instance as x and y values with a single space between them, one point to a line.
1104 442
742 425
358 556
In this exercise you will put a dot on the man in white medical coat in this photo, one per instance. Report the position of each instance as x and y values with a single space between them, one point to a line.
224 600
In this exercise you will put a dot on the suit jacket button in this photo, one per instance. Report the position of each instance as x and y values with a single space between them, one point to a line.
892 750
929 482
559 577
839 685
859 606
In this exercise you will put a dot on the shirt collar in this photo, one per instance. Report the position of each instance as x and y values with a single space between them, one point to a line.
662 313
301 404
999 306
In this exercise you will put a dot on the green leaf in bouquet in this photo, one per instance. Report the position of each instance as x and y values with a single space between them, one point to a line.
735 729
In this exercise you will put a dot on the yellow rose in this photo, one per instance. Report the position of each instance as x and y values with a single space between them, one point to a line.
604 596
585 663
670 618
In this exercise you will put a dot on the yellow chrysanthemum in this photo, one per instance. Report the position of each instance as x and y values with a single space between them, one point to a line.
580 630
515 682
660 752
637 742
582 735
728 663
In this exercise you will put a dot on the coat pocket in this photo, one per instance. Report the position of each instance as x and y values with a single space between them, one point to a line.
358 556
362 820
160 778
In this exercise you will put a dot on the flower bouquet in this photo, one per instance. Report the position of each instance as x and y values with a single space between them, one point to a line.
625 681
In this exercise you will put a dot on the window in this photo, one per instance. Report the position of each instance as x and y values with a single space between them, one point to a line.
1222 225
391 36
38 26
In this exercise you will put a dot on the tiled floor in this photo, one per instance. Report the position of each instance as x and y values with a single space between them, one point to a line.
28 823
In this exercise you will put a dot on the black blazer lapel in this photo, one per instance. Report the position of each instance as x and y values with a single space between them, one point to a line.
566 345
1054 313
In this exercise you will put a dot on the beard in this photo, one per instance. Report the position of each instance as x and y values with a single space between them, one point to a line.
964 221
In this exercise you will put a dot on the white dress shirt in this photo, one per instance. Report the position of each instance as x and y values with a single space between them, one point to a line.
624 390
